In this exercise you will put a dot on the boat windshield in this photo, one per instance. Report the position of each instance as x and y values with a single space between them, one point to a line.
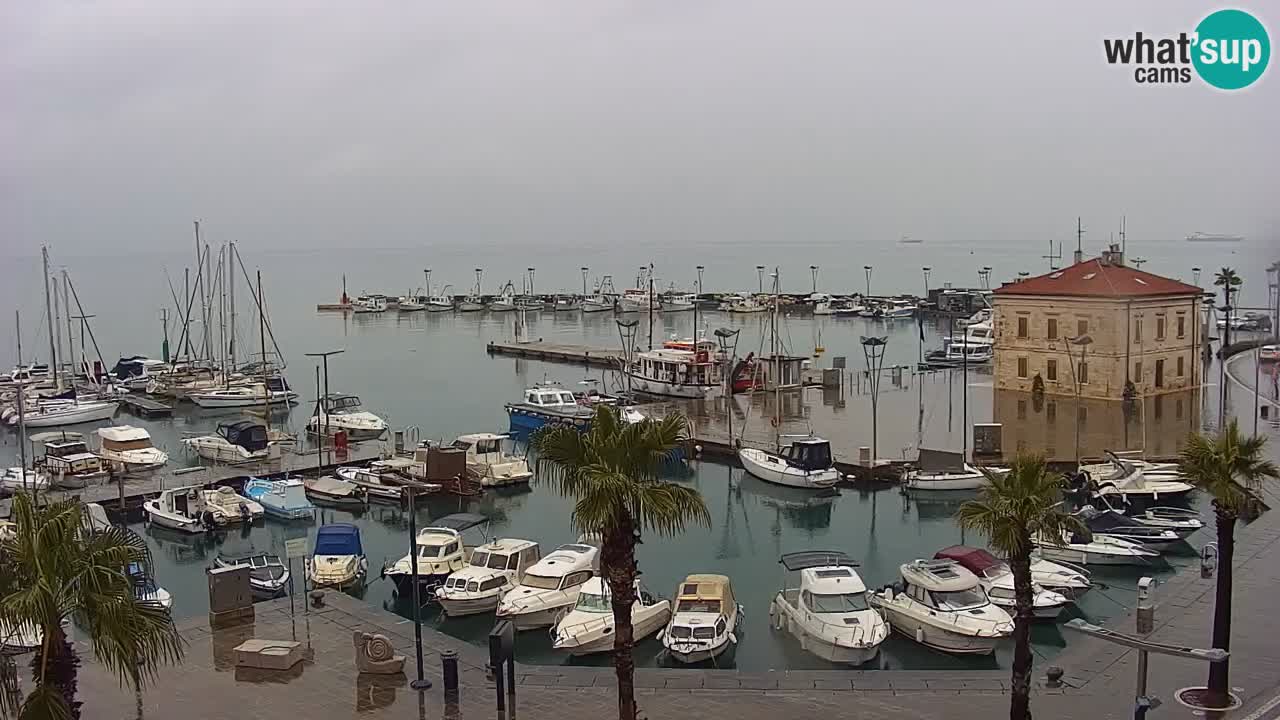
540 582
478 559
698 605
591 602
704 633
680 631
837 603
435 551
968 599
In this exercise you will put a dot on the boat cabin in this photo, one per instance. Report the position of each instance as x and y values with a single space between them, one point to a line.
942 585
809 454
679 367
338 540
482 447
828 582
338 404
71 457
506 554
976 560
564 568
549 398
247 434
120 438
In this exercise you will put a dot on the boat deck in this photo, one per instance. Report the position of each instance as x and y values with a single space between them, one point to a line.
558 352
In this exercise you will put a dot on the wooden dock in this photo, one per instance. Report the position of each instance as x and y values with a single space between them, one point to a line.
558 352
340 307
146 406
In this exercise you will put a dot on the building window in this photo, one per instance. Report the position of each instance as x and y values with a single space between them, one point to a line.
1137 330
1181 369
1182 325
1051 370
1160 373
1082 327
1160 327
1022 409
1022 367
1082 372
1137 373
1051 331
1022 327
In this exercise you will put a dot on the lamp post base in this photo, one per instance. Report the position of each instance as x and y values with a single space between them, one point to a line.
420 685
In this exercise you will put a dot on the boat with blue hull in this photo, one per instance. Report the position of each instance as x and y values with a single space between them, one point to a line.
281 499
544 406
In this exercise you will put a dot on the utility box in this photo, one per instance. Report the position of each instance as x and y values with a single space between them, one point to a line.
230 596
446 463
986 438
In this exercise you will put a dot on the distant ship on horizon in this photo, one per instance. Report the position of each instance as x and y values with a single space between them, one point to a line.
1213 237
908 240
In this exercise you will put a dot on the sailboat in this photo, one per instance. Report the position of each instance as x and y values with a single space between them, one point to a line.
805 463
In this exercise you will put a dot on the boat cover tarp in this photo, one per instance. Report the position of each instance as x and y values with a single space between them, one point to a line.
816 558
937 461
810 455
975 560
338 539
247 434
460 521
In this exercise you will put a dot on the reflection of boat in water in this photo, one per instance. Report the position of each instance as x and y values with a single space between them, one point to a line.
804 509
182 547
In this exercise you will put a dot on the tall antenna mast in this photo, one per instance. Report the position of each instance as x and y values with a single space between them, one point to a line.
1122 238
1079 254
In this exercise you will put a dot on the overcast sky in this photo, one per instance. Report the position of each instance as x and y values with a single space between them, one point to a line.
591 122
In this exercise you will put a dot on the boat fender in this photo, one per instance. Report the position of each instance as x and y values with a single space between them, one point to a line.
804 641
733 639
920 635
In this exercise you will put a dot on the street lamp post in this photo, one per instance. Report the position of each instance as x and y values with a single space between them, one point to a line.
813 270
926 270
1195 273
760 279
873 353
530 281
984 275
1083 342
584 280
627 335
867 270
421 683
324 397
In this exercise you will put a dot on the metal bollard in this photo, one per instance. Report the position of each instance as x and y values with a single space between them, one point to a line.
449 665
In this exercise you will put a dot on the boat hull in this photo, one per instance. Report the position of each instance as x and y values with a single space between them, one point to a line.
946 481
590 307
700 655
936 638
774 469
642 627
536 619
73 415
1085 557
649 386
181 523
525 420
469 606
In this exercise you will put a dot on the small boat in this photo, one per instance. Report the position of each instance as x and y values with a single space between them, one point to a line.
1066 579
676 373
130 448
182 509
342 413
943 470
1095 550
588 628
235 396
410 303
337 559
824 304
53 413
636 300
67 461
441 302
601 298
1182 521
1128 479
334 492
805 463
550 587
229 507
283 499
237 442
493 569
25 374
997 579
488 461
441 551
896 310
829 612
15 479
743 305
268 576
679 302
372 484
566 303
705 620
473 303
135 373
1113 524
505 301
369 304
146 589
943 606
548 406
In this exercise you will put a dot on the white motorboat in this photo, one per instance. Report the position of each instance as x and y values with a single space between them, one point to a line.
1182 521
588 628
372 483
679 302
233 443
182 509
829 612
441 551
53 413
16 479
743 305
129 448
369 304
705 620
944 470
550 588
1066 579
283 499
146 590
337 559
493 569
805 463
268 576
942 606
1110 523
824 304
676 373
342 413
229 507
253 395
896 310
25 374
1128 479
637 300
997 579
1097 550
135 373
490 462
1269 353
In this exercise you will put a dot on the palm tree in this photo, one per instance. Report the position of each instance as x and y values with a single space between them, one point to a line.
56 568
1229 281
1011 510
612 474
1231 469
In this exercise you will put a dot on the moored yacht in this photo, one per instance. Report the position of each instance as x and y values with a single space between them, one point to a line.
548 405
550 587
129 448
944 470
337 559
182 509
829 611
341 412
996 578
1094 549
53 413
283 499
677 373
705 619
942 606
493 569
679 302
588 628
1129 480
441 551
490 462
67 461
805 463
251 395
237 442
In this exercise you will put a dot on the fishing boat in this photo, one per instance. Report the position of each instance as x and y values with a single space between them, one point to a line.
676 373
505 301
944 470
488 461
996 578
15 479
550 587
374 484
492 570
282 499
439 303
566 303
182 509
238 442
1090 549
743 304
268 576
341 412
337 559
896 310
474 302
679 302
235 396
369 304
410 303
54 413
67 461
704 621
828 611
1110 523
943 606
824 304
334 492
547 405
229 507
588 628
441 551
129 448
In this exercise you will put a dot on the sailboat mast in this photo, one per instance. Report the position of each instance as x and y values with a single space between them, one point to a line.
777 368
231 294
66 307
53 349
57 330
222 315
650 306
262 337
22 391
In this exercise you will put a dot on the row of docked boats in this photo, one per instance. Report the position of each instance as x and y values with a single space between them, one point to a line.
67 461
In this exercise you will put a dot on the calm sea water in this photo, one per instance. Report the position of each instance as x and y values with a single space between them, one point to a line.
430 371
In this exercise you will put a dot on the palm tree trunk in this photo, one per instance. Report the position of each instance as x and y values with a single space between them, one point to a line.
619 565
1219 681
1024 614
59 668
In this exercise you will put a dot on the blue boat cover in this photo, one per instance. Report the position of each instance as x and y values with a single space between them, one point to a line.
338 539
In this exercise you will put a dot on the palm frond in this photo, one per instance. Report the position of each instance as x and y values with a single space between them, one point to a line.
1016 507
